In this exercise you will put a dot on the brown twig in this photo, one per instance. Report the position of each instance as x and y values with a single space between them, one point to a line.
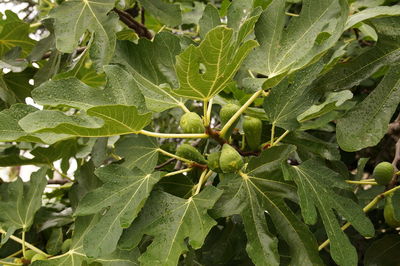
78 50
57 181
164 163
139 28
215 135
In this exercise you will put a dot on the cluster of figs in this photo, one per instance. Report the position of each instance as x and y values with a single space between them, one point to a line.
228 160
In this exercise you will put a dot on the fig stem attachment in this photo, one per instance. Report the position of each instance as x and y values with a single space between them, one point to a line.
203 178
207 114
172 135
30 246
367 208
239 112
23 243
174 156
280 138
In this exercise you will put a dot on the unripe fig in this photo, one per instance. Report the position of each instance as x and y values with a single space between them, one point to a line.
226 112
388 213
38 257
230 160
191 153
29 254
213 161
66 245
252 128
192 123
383 173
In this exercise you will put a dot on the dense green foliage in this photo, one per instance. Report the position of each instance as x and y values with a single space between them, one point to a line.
239 132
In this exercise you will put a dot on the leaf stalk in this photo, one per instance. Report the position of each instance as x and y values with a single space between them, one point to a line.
30 246
239 112
173 135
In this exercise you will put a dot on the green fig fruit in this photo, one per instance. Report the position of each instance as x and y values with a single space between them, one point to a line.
388 213
66 245
230 160
213 161
252 128
383 173
192 123
191 153
226 112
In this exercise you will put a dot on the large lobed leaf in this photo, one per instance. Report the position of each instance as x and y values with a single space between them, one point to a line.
318 188
20 201
76 255
218 57
115 110
385 52
258 192
171 221
133 186
14 33
138 151
285 48
73 18
152 65
367 123
292 96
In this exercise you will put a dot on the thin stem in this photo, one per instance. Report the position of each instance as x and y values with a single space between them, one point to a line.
205 108
6 263
209 109
179 172
367 208
203 178
14 254
34 25
30 246
239 112
326 243
173 135
184 108
361 182
280 138
251 74
175 156
243 146
291 14
272 134
23 244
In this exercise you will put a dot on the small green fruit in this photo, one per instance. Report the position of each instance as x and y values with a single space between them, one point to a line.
226 112
191 153
252 128
66 245
29 254
230 160
388 213
213 161
383 173
192 123
38 257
